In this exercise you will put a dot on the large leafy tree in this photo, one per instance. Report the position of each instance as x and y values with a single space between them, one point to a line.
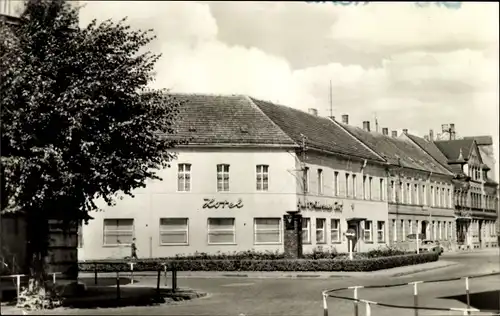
78 120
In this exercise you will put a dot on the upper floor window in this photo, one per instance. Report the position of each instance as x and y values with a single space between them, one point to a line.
424 195
382 189
222 177
364 188
346 184
433 201
336 183
408 193
262 177
370 183
306 179
184 177
393 191
416 195
354 186
320 181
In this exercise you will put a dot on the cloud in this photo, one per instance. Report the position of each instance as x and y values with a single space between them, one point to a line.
413 67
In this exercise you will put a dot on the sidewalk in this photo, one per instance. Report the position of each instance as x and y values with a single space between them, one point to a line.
394 272
483 251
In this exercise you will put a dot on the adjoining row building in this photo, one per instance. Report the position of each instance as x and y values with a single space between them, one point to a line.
249 162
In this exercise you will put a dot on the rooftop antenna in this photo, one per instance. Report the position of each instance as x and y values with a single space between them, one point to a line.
376 122
331 102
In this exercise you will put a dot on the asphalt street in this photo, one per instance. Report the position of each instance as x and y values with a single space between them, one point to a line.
302 296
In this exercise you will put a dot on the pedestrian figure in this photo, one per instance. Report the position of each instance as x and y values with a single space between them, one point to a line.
133 248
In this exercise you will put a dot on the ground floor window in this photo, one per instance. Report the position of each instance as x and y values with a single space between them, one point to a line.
174 231
368 231
380 232
221 231
394 230
320 230
306 230
267 230
118 232
80 235
335 230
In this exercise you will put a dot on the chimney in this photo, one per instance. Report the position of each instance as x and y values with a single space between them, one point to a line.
452 131
431 135
394 133
313 111
366 125
405 131
385 131
345 118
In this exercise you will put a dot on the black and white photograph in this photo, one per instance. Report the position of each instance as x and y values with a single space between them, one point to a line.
247 158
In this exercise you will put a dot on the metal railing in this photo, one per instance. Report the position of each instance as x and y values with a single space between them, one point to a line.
368 304
18 277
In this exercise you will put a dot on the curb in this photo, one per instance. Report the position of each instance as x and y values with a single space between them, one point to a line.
424 269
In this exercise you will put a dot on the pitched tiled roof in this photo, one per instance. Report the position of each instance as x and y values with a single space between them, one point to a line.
398 151
321 132
451 148
228 119
481 140
435 153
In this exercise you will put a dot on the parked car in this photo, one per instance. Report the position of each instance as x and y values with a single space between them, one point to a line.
431 246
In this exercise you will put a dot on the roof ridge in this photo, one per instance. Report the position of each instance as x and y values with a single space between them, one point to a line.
358 140
252 103
447 167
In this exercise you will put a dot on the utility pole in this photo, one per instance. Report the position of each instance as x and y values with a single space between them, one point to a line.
304 169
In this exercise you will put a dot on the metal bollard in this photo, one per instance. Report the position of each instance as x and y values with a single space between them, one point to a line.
95 274
158 283
355 296
368 309
468 295
117 285
131 272
166 278
54 278
415 295
174 279
18 286
325 305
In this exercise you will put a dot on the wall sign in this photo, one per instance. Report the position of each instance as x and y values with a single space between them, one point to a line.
211 203
317 206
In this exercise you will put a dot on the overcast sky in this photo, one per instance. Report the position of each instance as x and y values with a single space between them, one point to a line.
415 67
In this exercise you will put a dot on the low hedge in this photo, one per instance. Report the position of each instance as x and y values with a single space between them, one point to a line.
181 264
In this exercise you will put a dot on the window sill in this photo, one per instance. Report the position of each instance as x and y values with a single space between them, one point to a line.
337 242
116 246
183 191
267 243
306 243
222 244
180 244
368 242
321 243
380 241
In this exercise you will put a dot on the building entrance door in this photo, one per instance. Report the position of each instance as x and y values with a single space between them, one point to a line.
354 241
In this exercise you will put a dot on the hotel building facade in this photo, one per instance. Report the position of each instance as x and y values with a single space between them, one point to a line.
247 164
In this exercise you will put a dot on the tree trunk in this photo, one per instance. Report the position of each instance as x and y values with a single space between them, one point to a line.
36 295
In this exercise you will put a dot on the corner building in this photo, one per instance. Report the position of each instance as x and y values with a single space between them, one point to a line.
247 164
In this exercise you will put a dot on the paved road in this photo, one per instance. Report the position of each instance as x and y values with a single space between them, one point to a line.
247 296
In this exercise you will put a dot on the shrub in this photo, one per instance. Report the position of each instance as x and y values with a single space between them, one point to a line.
197 264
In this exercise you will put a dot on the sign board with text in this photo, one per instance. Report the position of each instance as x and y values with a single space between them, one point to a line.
414 236
350 233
